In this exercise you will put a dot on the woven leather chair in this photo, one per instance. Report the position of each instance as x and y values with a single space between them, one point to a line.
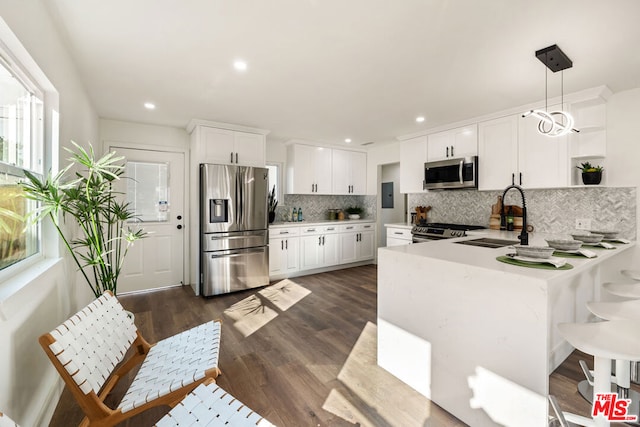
89 350
209 405
6 421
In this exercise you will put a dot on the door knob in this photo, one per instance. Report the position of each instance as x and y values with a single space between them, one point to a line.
179 217
179 227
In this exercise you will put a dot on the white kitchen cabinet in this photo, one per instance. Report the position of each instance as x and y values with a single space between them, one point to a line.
543 162
349 171
512 151
453 143
397 236
224 146
308 169
413 154
283 251
357 242
319 246
497 152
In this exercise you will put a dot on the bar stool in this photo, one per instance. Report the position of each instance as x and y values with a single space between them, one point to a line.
605 341
626 289
631 274
626 371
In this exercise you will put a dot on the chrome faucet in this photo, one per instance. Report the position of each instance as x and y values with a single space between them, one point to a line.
524 236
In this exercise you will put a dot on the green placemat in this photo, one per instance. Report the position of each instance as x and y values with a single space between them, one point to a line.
570 255
598 247
508 260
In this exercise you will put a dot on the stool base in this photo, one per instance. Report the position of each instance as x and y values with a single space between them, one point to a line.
586 391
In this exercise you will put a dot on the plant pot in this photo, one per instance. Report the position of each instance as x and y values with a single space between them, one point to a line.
591 178
272 217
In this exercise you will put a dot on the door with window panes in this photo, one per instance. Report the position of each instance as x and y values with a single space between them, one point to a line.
154 188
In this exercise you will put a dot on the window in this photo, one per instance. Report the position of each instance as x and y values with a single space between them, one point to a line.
274 178
21 148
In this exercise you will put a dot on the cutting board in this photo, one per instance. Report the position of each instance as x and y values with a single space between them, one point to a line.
494 219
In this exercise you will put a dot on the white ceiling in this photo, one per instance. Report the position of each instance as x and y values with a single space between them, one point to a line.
325 70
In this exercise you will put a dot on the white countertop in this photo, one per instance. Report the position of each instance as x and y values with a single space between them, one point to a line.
406 225
449 251
305 223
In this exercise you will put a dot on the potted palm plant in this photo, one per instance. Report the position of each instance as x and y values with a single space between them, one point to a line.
273 203
90 199
591 175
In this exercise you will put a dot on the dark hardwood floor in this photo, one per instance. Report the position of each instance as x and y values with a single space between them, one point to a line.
301 353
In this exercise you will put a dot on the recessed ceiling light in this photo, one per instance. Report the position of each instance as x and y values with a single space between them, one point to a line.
419 119
240 65
149 105
348 140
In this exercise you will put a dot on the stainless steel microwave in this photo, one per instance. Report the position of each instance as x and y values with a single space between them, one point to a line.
451 173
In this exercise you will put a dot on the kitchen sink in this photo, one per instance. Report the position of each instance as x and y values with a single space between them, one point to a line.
486 242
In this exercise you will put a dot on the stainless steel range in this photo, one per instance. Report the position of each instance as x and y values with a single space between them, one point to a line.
438 231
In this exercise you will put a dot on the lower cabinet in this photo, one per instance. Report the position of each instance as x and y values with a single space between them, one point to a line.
297 248
283 251
319 247
398 236
357 242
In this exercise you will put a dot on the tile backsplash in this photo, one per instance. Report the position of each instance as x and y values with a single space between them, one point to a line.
550 211
316 207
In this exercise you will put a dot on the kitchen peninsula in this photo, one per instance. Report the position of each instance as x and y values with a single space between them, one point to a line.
450 316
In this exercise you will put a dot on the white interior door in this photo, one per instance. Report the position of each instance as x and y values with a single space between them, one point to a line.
154 187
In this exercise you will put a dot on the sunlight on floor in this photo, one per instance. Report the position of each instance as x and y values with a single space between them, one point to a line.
368 385
255 311
506 402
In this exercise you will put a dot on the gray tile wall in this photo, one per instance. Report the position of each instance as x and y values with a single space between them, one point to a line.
316 207
549 211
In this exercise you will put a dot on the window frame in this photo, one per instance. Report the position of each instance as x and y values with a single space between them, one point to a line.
43 146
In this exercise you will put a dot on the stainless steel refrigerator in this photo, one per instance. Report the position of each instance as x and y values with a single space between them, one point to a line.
234 251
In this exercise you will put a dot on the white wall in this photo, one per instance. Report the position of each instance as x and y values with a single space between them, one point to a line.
623 147
390 173
376 156
29 386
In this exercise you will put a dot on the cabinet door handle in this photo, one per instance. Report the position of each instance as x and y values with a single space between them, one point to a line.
331 228
447 151
281 244
236 157
284 232
349 228
286 244
452 151
513 178
231 157
398 232
520 178
319 240
322 240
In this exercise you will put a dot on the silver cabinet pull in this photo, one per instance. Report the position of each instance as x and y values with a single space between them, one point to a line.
452 151
286 244
236 157
284 232
319 240
398 232
281 244
322 240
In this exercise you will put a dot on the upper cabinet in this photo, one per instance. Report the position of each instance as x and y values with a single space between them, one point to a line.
453 143
308 169
221 143
413 154
543 161
512 151
349 172
497 152
313 169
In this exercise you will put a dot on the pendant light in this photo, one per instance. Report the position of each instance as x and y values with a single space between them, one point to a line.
553 123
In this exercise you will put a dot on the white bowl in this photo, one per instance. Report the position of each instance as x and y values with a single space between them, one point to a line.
534 251
610 234
354 216
564 244
588 238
